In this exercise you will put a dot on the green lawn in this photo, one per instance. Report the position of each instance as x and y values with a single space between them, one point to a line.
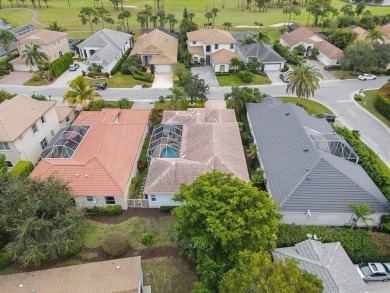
119 80
368 104
32 82
235 80
312 107
133 228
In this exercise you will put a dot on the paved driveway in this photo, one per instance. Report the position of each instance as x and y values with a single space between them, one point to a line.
162 81
274 77
207 74
67 76
326 74
16 78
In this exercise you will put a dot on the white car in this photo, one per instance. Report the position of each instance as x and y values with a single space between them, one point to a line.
374 271
73 67
366 76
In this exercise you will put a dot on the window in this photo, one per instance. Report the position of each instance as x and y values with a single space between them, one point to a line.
216 47
222 68
43 143
9 164
55 55
195 59
110 200
34 128
52 132
40 48
231 46
194 42
208 48
153 197
89 198
4 146
67 119
43 120
337 61
60 53
55 43
59 42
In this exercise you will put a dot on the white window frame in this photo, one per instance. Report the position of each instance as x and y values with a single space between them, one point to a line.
90 198
216 46
9 164
43 120
231 46
4 146
40 48
107 200
153 198
44 143
34 126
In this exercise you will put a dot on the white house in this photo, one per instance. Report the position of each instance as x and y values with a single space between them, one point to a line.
216 47
328 53
105 47
188 144
28 125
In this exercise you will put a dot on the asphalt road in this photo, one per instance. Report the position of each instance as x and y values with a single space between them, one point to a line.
337 95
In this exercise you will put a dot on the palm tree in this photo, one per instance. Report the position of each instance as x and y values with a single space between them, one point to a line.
236 99
214 11
362 213
81 93
45 65
208 15
304 81
227 25
54 26
262 38
33 55
178 95
247 40
6 39
235 63
375 36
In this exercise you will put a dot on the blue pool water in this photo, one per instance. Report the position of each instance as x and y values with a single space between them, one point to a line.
169 152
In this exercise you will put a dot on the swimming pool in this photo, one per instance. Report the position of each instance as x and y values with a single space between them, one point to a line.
169 152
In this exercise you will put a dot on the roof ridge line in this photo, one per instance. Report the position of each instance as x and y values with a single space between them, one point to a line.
108 172
163 173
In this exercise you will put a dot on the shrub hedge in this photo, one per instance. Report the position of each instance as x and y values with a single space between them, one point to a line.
357 243
61 64
382 102
143 77
370 162
167 209
105 211
117 66
5 259
22 169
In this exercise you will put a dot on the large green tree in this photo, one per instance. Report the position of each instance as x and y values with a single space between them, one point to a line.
88 14
359 55
81 93
304 81
195 87
342 37
178 98
6 39
38 219
222 215
33 55
256 272
237 98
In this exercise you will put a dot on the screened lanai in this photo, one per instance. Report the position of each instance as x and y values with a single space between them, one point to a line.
66 142
165 142
333 144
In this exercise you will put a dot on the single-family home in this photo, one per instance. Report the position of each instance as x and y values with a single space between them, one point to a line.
215 46
105 47
187 144
111 276
328 53
329 262
361 32
97 156
157 48
54 44
310 171
386 32
27 126
4 25
262 52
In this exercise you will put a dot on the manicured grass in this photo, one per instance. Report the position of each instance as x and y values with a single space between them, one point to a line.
133 228
312 107
343 74
119 80
368 104
235 80
167 106
32 82
166 274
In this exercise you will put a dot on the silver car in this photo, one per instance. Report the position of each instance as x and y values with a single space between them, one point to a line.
366 76
374 271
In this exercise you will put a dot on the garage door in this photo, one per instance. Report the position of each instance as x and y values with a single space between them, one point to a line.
272 66
163 69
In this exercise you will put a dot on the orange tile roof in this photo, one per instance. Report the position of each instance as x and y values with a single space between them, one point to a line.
361 33
40 37
211 36
196 50
103 162
223 56
386 30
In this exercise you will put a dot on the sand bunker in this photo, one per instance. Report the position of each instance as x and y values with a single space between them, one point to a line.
281 24
248 26
130 6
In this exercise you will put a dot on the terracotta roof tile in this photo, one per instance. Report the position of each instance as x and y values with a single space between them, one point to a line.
386 29
223 56
40 37
361 33
211 36
196 50
63 112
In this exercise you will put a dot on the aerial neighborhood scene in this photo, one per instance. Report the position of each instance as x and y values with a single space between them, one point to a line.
195 146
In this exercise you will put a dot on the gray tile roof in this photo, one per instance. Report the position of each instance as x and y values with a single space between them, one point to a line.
264 53
328 261
111 42
206 135
300 176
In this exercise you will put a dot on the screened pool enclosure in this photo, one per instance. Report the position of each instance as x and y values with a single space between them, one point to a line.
165 142
333 144
66 142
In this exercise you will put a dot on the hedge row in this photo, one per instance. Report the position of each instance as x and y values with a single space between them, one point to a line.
105 211
22 169
117 66
61 64
382 102
370 162
357 243
144 77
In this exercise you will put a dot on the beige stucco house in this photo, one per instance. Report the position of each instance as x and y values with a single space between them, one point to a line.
28 125
53 43
157 48
214 45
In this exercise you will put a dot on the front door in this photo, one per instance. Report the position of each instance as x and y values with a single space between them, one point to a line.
207 59
146 62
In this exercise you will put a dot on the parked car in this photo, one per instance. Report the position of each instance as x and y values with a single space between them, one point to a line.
330 117
374 271
366 76
99 85
284 77
73 67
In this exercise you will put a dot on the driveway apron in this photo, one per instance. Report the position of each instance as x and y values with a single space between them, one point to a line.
207 74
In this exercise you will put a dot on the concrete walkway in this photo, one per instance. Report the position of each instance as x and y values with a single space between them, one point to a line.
162 81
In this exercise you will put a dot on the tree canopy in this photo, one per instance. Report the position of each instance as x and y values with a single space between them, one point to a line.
222 215
195 87
256 272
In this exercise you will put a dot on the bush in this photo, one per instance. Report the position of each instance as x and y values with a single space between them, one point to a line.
124 103
39 97
385 223
60 65
382 102
161 99
92 74
72 250
115 244
222 73
314 53
146 85
96 105
105 211
358 97
143 77
246 76
22 169
332 67
5 259
5 96
116 67
167 209
36 76
147 239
